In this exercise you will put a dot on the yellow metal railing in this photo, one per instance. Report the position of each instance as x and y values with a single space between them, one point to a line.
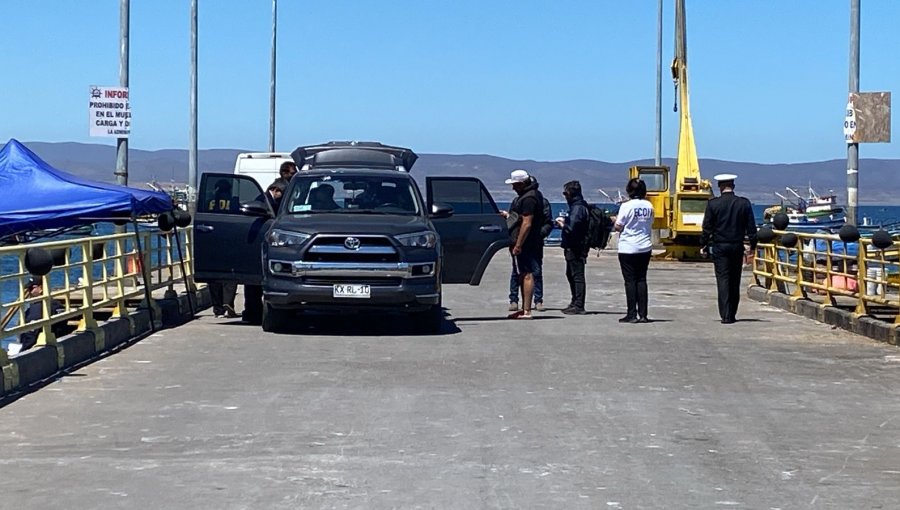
819 265
91 276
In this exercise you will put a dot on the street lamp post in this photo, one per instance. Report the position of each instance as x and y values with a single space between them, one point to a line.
659 15
122 142
192 147
272 83
853 148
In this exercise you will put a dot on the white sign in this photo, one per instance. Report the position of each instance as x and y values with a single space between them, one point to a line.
109 112
850 123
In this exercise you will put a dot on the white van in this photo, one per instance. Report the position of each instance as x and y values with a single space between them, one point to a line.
262 166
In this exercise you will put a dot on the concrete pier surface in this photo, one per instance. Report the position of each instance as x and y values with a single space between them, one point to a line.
775 411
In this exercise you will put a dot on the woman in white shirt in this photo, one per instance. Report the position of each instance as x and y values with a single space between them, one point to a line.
633 223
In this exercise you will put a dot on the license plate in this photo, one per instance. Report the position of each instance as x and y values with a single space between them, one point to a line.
352 291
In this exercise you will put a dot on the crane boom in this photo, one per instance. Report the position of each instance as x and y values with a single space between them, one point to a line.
679 208
688 165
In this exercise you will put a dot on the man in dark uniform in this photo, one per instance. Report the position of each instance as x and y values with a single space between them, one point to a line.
728 220
222 293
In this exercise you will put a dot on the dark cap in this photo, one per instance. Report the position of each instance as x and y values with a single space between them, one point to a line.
32 282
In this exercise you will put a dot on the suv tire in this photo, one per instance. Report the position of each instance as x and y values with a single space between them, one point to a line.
273 319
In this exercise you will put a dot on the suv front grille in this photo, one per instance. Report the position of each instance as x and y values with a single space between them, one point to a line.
374 282
332 248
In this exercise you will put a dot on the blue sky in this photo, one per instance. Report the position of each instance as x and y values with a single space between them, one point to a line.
520 79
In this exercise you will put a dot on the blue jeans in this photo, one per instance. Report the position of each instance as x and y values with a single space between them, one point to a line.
538 284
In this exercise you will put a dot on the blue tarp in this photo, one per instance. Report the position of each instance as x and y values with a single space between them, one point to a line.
837 248
37 196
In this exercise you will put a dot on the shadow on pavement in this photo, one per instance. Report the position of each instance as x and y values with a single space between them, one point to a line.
589 312
537 317
355 324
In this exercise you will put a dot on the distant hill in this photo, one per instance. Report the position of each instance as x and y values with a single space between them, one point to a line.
879 178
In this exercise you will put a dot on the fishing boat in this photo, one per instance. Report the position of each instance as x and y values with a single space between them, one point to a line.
812 212
817 206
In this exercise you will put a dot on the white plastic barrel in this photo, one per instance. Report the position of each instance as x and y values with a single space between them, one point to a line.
873 288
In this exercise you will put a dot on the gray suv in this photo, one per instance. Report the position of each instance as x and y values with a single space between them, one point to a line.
352 233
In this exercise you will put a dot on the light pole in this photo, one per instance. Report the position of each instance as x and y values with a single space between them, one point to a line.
272 84
659 16
122 142
853 148
192 147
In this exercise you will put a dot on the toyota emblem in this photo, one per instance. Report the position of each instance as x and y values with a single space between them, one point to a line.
351 243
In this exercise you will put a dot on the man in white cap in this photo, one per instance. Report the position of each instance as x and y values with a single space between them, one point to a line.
524 221
727 223
546 229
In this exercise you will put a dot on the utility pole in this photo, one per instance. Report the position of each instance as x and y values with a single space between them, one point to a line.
192 148
853 148
272 84
122 143
659 24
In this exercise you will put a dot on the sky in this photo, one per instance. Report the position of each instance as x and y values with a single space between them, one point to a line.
522 79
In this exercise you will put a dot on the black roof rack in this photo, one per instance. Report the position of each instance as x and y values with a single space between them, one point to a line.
354 154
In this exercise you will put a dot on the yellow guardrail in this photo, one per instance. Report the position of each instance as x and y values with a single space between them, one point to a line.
819 265
94 279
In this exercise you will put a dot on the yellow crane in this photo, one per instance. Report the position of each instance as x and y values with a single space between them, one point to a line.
678 209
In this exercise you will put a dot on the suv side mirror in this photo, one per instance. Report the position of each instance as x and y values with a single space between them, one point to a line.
439 211
255 208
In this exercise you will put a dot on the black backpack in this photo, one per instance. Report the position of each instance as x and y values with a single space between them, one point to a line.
599 227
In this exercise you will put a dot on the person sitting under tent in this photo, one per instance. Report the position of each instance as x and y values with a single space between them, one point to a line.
34 288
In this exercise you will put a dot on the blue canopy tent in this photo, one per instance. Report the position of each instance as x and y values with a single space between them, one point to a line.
37 196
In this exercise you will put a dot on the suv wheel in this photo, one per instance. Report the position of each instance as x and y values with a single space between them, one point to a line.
273 319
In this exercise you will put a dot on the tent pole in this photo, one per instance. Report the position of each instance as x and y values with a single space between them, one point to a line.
148 294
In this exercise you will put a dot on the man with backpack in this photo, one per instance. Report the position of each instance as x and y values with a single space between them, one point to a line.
525 220
576 244
546 228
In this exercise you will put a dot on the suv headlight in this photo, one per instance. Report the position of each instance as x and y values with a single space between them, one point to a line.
282 238
424 239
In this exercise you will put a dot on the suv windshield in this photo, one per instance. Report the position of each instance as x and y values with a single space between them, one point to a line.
375 194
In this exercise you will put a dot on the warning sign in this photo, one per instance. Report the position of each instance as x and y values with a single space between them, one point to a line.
109 112
850 122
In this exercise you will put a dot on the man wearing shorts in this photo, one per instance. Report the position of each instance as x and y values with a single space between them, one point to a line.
525 236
